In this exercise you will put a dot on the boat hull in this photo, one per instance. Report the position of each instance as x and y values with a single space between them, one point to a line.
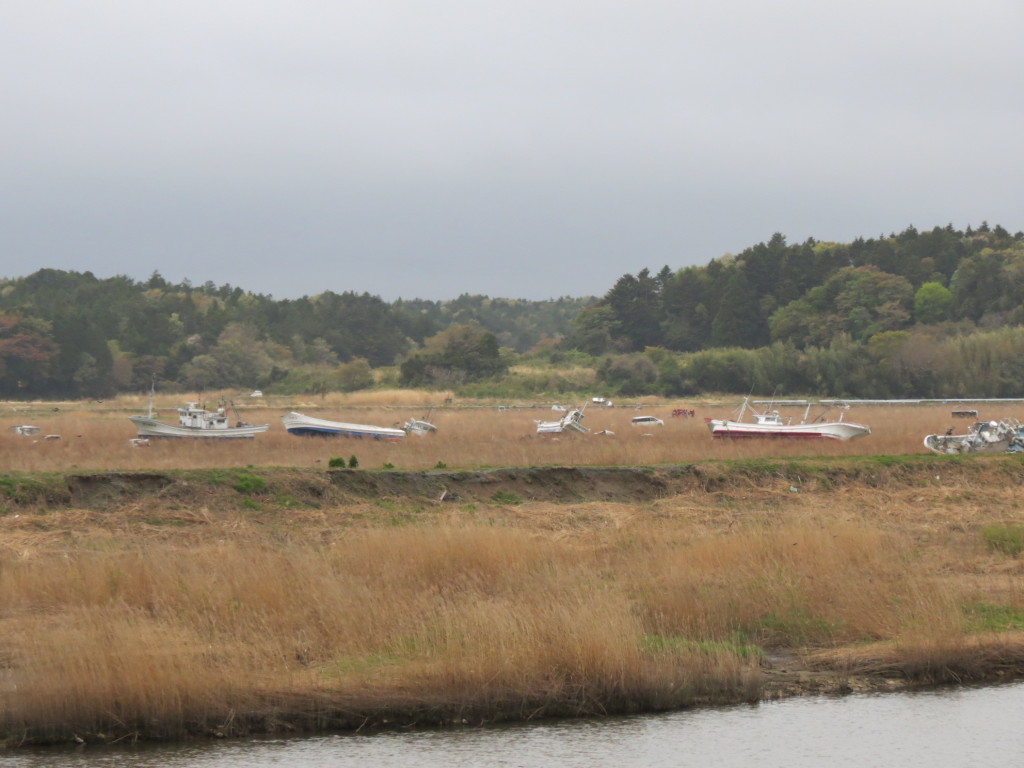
832 430
308 426
954 444
148 427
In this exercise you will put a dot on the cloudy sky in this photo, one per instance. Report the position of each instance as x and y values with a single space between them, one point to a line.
514 148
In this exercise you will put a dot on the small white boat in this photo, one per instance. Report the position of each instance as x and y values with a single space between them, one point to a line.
771 424
1005 435
418 427
195 421
309 426
26 429
568 423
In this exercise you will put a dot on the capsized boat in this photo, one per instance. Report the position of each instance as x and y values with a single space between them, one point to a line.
418 427
195 421
1005 435
310 426
771 424
568 423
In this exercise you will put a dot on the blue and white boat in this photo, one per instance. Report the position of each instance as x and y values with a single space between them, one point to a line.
309 426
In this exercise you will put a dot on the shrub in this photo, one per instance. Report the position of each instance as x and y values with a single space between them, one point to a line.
249 484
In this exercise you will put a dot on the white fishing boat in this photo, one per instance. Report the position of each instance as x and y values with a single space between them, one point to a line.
1005 435
310 426
197 422
569 423
771 424
418 427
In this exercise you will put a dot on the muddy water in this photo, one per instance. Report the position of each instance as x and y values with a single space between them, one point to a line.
954 728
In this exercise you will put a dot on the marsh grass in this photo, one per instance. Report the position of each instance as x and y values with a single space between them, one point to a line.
478 434
239 628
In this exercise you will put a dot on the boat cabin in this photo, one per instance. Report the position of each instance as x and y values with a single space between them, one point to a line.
195 417
771 418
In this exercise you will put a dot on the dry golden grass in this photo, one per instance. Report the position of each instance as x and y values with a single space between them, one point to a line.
163 617
96 435
482 613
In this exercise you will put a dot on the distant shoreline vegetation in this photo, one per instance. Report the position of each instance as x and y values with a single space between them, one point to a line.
915 314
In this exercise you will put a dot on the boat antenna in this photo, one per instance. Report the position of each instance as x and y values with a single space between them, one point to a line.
152 392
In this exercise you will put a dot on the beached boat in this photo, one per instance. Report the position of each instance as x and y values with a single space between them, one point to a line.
418 427
1005 435
569 423
197 422
309 426
771 424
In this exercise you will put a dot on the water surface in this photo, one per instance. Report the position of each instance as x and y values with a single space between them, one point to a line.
954 728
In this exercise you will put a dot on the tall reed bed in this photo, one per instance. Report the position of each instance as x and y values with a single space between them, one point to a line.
433 623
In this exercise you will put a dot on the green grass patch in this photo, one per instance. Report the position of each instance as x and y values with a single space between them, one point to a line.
505 497
344 667
248 484
1008 539
798 627
989 617
673 644
894 461
25 490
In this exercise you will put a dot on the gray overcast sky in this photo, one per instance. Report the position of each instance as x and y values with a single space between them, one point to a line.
515 148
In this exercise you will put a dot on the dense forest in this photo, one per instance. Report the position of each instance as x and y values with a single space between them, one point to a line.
914 314
75 335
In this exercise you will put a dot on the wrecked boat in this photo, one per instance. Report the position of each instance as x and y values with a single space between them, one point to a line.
1004 435
570 423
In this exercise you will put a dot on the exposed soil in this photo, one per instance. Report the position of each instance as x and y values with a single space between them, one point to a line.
556 484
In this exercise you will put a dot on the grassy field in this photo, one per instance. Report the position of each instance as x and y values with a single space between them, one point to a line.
217 607
96 436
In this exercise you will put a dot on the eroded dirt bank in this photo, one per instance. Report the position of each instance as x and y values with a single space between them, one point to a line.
557 484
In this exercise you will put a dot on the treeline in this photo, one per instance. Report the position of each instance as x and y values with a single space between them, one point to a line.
933 314
914 314
814 293
69 334
897 364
